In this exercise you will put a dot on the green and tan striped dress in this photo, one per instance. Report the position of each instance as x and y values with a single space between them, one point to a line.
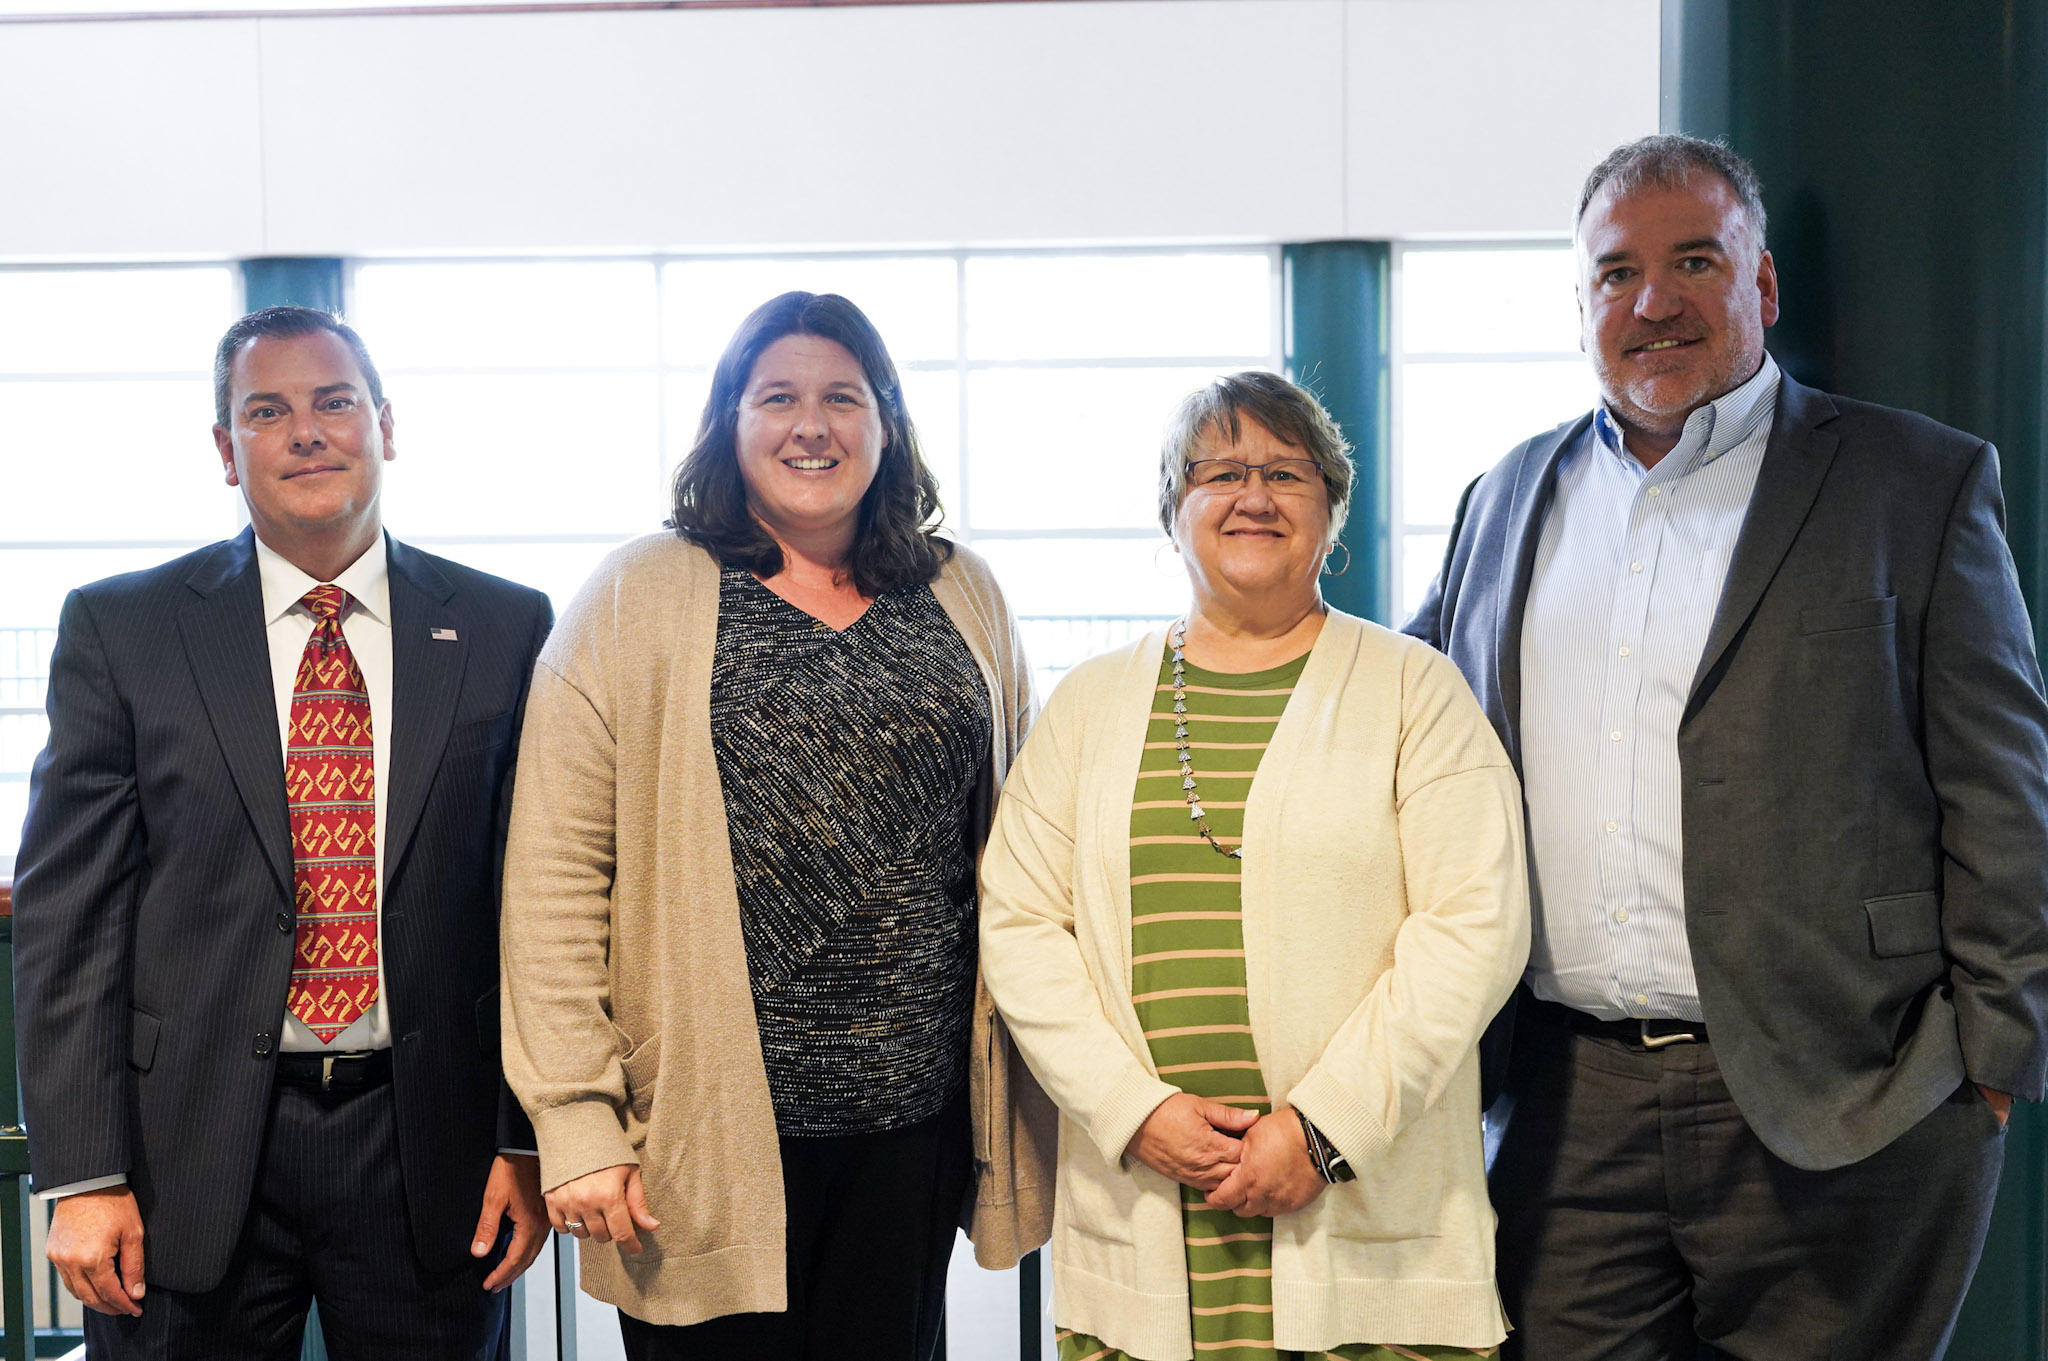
1188 983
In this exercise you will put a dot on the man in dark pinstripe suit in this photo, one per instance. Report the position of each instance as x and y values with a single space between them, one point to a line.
218 1163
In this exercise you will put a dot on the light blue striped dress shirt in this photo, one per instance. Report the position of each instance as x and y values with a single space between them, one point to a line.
1629 570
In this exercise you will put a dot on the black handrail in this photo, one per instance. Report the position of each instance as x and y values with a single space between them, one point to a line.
16 1256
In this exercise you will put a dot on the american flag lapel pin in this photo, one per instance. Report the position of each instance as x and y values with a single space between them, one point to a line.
444 635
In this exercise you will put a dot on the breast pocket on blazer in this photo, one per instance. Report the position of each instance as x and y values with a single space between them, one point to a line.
1875 613
1904 924
482 734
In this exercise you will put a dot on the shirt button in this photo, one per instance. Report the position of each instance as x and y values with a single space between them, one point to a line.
1655 490
1621 915
1613 826
264 1044
1641 1000
1626 649
1614 737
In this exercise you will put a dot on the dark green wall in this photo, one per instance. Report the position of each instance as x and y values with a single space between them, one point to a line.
1903 148
1335 303
1904 152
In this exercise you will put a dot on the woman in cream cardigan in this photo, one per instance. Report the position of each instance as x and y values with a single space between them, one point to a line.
1255 888
741 1000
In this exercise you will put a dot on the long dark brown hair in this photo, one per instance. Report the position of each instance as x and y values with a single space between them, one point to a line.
895 542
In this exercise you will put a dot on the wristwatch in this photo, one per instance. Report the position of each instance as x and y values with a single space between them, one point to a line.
1333 1165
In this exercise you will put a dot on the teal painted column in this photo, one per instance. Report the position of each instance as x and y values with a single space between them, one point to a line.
1336 345
308 280
1904 153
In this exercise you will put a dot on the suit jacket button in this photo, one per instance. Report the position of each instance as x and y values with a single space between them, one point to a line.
284 922
263 1044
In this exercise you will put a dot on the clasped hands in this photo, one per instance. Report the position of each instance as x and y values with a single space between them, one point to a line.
1252 1165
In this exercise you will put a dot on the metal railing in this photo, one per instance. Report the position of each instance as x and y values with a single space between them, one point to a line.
29 1292
24 675
24 667
1055 643
39 1319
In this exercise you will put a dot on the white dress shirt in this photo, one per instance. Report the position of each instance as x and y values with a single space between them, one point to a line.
366 623
1628 573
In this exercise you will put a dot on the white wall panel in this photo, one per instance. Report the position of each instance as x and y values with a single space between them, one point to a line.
1483 116
1260 120
845 126
130 138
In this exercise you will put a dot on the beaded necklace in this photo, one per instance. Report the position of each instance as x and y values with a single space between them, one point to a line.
1180 734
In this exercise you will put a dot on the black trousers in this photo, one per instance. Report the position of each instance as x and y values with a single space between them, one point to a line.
328 1221
1639 1212
871 1224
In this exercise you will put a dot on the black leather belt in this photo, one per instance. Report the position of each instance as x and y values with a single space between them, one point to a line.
1641 1034
355 1070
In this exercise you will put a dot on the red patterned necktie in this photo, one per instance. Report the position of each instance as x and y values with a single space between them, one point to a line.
330 781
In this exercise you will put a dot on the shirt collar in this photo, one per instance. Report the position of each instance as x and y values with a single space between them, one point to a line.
1713 429
367 580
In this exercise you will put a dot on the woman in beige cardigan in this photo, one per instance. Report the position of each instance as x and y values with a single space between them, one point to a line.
741 998
1255 889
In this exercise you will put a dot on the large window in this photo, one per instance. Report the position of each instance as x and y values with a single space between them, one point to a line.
1486 355
541 407
105 461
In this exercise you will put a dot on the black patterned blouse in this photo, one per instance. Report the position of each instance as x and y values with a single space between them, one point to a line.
848 760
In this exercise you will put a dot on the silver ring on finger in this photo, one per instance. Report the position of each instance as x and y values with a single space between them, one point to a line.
572 1224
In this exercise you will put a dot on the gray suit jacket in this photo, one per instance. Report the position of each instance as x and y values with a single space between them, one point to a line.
1865 765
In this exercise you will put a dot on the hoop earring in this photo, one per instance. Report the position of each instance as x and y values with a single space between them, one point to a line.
1347 559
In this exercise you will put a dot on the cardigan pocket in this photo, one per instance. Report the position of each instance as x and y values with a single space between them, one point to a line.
1097 1203
641 1064
1402 1194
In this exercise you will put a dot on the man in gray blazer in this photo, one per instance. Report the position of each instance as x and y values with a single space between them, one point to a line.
1761 658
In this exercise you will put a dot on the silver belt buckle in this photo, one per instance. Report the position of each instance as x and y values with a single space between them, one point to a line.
327 1062
1659 1041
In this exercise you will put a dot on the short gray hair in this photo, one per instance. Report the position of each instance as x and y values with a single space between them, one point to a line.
285 322
1287 409
1670 160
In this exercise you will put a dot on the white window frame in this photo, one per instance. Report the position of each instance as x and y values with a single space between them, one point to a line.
1398 358
958 520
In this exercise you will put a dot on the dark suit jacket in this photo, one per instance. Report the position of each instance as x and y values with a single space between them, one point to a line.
1865 765
153 903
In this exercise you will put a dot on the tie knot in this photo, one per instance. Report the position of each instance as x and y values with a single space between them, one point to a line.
325 601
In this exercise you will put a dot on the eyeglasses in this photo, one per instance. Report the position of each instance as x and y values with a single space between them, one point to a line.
1283 476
